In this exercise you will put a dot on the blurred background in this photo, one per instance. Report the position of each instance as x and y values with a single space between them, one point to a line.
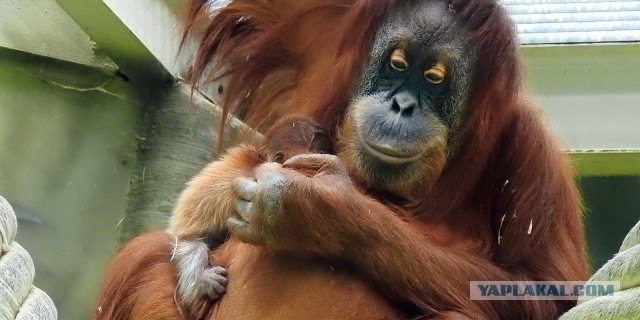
84 87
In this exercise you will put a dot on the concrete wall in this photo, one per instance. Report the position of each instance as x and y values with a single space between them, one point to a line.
68 138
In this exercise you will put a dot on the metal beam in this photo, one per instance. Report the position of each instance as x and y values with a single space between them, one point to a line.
606 162
571 21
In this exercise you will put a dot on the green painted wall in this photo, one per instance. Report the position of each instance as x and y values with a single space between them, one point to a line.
612 207
88 159
68 135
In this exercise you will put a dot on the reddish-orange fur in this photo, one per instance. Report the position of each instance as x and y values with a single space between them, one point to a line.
210 191
504 174
144 289
141 280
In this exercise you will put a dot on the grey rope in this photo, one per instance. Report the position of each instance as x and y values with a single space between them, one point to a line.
19 299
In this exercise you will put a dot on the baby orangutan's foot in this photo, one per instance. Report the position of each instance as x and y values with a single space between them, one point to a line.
197 281
213 282
213 285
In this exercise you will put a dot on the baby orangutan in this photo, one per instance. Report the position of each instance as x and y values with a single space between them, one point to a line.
198 229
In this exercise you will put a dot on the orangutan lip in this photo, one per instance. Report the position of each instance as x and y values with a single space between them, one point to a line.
388 154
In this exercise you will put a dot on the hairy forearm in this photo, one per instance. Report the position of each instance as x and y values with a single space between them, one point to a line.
324 215
207 202
410 268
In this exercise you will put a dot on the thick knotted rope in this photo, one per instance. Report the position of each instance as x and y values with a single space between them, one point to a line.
624 267
19 299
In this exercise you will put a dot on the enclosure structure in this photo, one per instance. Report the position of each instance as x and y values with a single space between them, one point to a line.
98 133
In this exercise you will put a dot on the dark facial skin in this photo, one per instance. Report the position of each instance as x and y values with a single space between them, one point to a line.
413 93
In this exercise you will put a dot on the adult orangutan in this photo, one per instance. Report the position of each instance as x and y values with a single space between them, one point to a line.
443 174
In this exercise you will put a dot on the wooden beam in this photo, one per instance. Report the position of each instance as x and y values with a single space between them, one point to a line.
141 36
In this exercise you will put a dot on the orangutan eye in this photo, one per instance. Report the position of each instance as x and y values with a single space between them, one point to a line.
398 60
435 74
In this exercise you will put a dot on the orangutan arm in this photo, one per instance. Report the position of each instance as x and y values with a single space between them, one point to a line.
325 215
207 202
199 216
